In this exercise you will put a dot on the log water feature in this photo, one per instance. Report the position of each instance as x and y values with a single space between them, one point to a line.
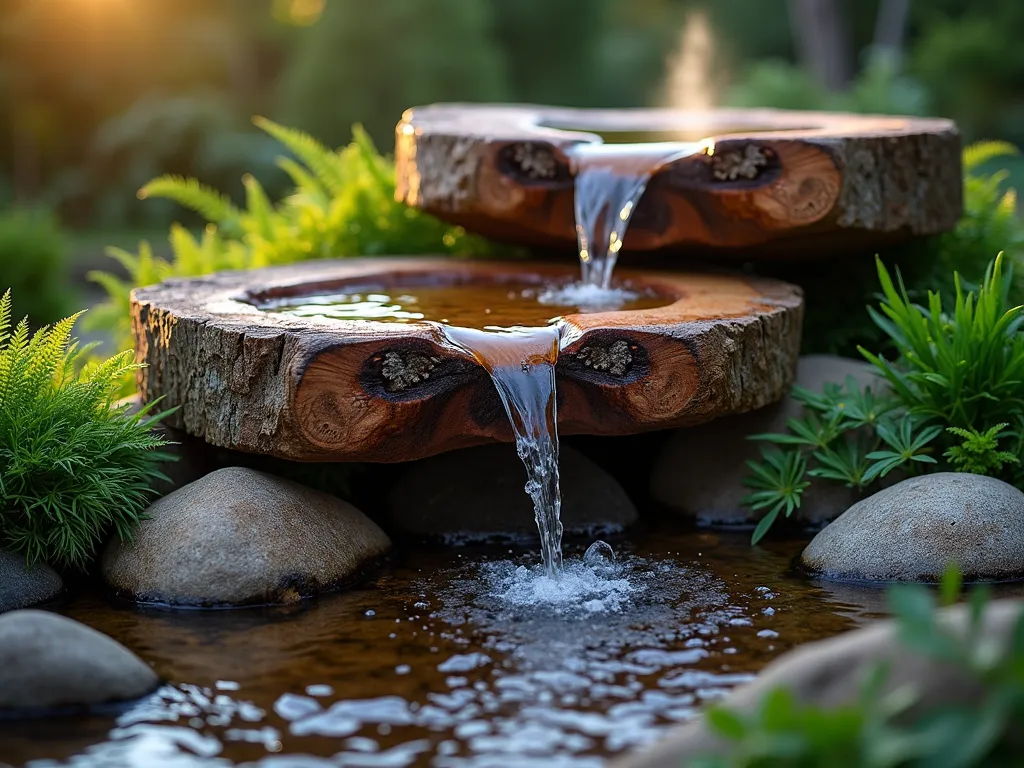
449 657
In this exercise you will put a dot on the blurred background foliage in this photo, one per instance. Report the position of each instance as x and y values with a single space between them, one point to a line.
98 97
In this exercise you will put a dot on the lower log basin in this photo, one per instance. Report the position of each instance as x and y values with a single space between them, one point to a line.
449 657
245 374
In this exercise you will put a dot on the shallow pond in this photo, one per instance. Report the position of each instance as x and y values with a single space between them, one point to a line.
455 656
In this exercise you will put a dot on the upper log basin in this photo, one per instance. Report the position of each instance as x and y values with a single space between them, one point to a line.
247 377
763 182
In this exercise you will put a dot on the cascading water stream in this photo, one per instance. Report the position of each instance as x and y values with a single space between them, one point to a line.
610 180
521 363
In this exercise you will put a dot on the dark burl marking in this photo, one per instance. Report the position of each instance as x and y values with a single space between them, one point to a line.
413 372
735 164
533 161
403 371
615 359
606 358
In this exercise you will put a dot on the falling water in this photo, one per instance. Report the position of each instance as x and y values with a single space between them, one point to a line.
521 362
610 179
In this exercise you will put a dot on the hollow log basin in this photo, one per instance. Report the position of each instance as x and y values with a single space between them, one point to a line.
691 347
452 656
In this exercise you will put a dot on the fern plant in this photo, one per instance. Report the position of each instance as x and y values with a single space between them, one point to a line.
343 204
953 390
73 466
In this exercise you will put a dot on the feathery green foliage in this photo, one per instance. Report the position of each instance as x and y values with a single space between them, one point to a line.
72 465
343 204
890 727
953 389
979 452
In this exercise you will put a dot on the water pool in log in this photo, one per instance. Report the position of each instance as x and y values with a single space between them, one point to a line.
450 656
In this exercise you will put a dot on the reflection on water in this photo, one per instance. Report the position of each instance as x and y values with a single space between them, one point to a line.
455 657
468 305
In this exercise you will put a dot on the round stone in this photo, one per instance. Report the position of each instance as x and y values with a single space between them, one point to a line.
49 662
23 585
242 537
913 530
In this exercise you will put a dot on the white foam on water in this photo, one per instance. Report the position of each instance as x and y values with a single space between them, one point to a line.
581 586
587 296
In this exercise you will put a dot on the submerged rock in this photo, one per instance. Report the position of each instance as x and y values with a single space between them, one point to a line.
831 673
480 492
23 585
240 537
48 661
914 529
701 469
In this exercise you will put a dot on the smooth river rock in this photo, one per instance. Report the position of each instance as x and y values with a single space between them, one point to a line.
481 491
914 529
22 585
48 661
242 537
701 469
830 673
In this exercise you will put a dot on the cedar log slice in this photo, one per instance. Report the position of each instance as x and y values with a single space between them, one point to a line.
781 181
313 389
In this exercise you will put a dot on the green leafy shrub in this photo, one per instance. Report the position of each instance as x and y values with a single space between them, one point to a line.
343 204
33 263
72 465
955 384
894 729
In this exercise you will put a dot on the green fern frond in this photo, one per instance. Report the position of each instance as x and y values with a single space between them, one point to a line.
319 159
72 467
981 152
260 212
306 185
5 316
190 193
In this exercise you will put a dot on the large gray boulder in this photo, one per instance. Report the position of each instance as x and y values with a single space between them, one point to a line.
831 673
241 537
48 661
700 470
481 491
914 529
23 585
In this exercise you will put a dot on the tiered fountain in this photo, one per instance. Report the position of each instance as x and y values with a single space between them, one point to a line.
390 360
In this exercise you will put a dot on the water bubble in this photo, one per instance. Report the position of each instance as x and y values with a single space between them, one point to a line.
599 553
369 612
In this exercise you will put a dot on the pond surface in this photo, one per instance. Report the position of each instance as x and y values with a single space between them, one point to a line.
456 656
